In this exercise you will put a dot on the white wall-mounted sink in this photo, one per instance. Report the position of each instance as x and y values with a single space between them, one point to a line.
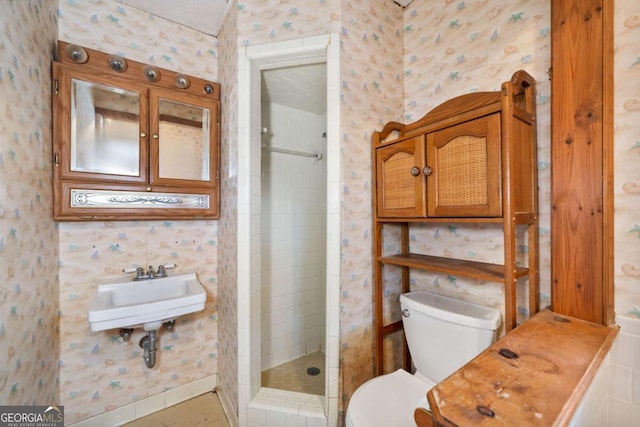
145 303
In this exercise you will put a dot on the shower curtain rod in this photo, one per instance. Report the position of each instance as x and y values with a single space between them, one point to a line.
317 156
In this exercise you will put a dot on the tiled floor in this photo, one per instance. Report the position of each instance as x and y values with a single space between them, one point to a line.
204 410
293 376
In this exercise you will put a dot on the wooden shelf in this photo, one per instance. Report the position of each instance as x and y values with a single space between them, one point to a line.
519 217
458 267
472 159
443 220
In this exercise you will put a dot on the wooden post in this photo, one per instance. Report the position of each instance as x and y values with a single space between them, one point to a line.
581 141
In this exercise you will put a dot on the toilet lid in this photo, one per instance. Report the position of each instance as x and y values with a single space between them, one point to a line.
388 400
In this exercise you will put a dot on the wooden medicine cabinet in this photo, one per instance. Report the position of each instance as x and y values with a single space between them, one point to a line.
132 141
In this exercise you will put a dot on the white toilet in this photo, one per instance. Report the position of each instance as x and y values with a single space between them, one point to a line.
443 334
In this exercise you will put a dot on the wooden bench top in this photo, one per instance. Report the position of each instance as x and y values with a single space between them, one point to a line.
535 375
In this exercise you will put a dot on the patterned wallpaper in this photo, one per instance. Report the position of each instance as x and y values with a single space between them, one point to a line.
433 50
372 76
113 27
454 48
28 236
98 370
228 223
627 157
277 20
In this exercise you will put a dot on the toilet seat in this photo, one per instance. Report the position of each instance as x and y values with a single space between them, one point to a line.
387 401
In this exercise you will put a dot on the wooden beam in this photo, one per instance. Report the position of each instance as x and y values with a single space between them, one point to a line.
581 137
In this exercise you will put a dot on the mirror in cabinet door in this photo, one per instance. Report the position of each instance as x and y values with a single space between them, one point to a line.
400 180
101 128
181 129
133 142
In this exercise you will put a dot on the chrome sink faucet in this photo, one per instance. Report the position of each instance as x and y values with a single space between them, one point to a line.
150 273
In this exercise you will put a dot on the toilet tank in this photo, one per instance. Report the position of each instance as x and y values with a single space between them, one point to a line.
444 334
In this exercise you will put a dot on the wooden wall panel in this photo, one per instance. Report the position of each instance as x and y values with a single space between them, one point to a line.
581 62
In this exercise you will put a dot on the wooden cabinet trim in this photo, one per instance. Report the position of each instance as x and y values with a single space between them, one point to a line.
200 93
64 75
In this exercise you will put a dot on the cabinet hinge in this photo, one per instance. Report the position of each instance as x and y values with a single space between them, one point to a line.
218 174
56 87
56 159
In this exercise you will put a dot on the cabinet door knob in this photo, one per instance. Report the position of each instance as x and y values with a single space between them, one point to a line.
427 171
415 171
143 134
155 136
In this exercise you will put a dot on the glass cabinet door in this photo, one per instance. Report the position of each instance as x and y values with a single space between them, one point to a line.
181 139
102 129
105 129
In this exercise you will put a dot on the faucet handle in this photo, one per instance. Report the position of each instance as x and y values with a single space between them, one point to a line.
161 271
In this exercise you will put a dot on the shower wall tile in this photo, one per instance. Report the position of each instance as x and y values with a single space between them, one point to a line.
28 236
293 212
99 372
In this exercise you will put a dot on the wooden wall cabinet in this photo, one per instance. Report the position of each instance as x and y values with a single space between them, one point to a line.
451 172
473 159
401 189
127 147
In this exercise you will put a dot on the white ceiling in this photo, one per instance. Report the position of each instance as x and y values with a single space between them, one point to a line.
303 87
205 16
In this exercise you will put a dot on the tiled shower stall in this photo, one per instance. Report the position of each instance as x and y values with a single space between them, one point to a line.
293 230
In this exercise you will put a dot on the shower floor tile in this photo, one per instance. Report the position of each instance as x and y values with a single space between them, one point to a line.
293 376
203 410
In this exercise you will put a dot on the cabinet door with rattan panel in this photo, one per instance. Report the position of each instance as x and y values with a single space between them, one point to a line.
400 182
464 168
